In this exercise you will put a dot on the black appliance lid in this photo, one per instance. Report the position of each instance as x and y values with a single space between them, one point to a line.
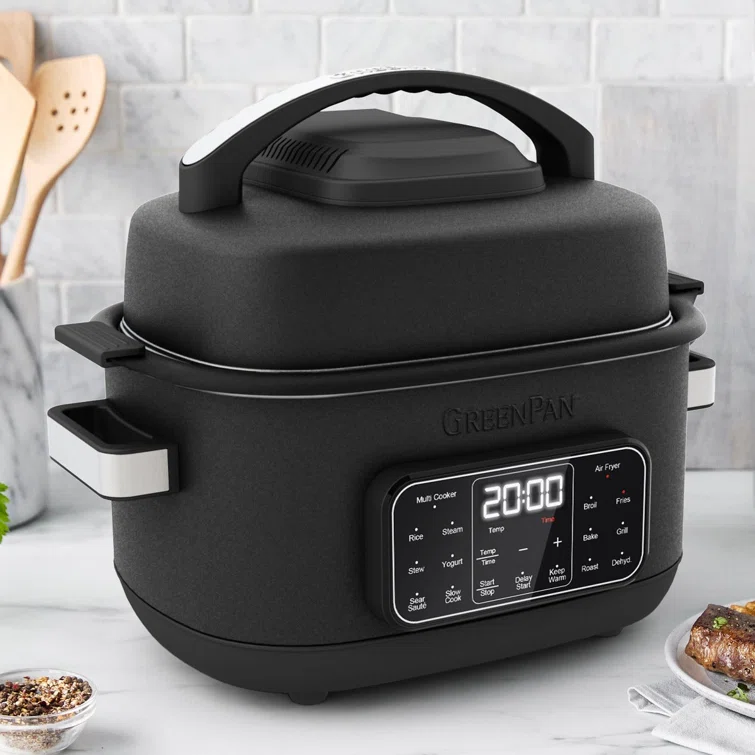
268 280
373 157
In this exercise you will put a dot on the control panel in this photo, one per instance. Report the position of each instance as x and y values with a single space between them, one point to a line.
470 541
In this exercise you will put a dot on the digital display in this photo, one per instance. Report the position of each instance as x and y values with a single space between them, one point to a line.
528 494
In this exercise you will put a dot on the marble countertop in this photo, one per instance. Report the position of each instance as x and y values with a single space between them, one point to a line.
61 605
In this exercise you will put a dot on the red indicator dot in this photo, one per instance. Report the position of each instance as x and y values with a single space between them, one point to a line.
623 492
607 476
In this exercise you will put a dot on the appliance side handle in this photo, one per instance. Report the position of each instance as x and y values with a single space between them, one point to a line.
701 390
98 342
118 461
211 170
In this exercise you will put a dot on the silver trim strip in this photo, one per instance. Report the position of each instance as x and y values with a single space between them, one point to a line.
489 607
701 388
161 351
110 475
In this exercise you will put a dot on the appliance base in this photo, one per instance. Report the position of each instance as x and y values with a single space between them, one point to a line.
308 673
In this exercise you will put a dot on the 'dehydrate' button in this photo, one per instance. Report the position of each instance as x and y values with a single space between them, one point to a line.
622 561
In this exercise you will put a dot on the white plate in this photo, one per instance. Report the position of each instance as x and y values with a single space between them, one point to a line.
709 684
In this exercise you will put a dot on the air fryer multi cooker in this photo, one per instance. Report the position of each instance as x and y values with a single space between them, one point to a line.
385 398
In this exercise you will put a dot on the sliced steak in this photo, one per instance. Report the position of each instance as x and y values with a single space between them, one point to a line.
723 640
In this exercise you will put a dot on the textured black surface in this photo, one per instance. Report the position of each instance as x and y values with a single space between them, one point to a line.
375 158
264 543
279 282
307 673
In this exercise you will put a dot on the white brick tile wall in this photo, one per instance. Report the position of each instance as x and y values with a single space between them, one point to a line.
116 183
252 49
526 52
147 7
460 7
82 300
707 7
357 42
639 50
177 67
69 377
580 102
133 49
60 7
166 117
50 310
594 7
107 134
322 6
76 248
739 63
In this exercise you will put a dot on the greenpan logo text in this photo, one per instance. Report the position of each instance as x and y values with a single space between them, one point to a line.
533 410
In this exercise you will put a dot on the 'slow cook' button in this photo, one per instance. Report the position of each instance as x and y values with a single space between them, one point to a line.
453 595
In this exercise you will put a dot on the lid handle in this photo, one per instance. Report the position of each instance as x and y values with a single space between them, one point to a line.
210 172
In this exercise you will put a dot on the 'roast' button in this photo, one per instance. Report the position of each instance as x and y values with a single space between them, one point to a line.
589 566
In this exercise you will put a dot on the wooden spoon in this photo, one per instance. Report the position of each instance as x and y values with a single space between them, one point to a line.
70 93
17 43
18 108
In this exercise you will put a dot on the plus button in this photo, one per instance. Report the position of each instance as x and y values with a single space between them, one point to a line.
557 542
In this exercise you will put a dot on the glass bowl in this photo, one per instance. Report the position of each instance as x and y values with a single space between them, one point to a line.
52 732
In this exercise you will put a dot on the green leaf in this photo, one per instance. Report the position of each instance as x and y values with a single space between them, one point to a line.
743 687
737 694
719 622
4 520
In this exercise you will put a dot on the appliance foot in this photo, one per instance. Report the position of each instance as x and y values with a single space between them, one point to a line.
611 633
307 698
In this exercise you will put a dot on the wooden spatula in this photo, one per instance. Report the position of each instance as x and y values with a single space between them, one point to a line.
70 93
17 43
17 107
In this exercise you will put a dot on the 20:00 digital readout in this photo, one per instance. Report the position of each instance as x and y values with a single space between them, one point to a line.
532 494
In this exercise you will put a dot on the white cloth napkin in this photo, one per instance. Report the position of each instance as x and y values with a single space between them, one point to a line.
693 721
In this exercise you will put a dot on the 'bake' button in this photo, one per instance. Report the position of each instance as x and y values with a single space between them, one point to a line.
590 536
